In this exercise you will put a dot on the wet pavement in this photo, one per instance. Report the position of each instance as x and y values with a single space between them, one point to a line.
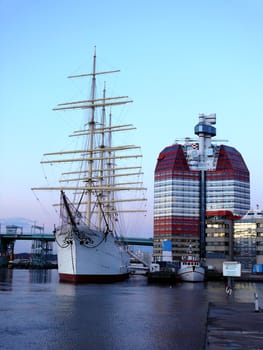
234 326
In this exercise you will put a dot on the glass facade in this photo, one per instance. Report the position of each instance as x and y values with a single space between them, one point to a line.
228 186
176 196
233 195
245 244
217 239
191 179
231 238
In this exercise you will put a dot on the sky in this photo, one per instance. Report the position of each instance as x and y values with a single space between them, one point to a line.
177 59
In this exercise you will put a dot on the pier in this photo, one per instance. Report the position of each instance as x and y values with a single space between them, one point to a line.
234 326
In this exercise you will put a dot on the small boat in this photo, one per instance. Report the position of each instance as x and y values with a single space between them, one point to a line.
138 269
190 269
163 272
93 191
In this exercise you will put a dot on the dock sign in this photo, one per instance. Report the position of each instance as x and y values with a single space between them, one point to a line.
231 269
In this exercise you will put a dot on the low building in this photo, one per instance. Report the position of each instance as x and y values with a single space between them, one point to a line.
230 237
219 237
248 240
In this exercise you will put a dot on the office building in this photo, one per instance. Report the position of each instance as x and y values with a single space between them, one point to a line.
248 240
191 178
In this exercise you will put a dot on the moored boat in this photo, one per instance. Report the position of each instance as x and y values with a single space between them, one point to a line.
90 245
190 269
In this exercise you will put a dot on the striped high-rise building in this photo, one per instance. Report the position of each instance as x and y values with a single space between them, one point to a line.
191 179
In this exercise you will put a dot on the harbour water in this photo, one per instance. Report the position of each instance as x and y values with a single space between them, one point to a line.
38 312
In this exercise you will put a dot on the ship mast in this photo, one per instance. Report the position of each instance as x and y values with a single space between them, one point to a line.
96 177
110 178
101 170
91 144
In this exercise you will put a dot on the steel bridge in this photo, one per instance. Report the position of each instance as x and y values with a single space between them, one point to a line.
47 237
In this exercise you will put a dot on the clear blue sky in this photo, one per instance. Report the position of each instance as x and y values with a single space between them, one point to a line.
177 59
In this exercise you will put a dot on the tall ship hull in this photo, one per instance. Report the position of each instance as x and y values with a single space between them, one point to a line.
98 177
104 261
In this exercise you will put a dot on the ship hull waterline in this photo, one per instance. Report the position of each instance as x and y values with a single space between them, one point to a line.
81 279
191 274
106 263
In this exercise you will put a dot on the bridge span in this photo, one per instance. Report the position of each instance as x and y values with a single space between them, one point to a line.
47 237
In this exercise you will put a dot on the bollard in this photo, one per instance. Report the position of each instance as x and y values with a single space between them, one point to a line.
256 302
228 290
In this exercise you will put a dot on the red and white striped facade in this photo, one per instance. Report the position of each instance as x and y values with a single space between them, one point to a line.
193 177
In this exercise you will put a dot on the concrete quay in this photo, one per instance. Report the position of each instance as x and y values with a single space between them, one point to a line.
234 326
245 277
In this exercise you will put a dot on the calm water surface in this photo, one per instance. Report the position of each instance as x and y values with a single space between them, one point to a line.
38 312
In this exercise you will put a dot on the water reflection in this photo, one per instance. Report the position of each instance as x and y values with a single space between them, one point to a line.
43 313
6 277
66 289
40 276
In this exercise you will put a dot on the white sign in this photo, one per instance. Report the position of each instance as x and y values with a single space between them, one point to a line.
231 269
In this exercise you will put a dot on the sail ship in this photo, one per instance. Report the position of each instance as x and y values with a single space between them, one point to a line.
90 248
